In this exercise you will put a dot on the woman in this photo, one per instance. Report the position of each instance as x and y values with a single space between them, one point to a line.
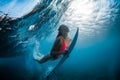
61 44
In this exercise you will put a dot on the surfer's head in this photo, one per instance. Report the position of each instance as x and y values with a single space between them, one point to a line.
63 28
63 31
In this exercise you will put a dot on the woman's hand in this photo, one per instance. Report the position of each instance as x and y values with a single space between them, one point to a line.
66 52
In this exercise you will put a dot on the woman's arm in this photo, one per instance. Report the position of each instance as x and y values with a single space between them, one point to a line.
56 47
68 41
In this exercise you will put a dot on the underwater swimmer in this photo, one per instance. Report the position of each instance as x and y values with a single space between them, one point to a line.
60 46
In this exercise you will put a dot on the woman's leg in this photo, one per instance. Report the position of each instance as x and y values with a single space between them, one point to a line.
45 58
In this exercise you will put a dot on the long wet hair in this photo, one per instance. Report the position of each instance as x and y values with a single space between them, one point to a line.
63 31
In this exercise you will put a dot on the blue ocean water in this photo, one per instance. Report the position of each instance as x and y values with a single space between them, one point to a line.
96 54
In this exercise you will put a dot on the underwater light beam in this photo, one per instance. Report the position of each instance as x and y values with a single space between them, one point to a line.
91 16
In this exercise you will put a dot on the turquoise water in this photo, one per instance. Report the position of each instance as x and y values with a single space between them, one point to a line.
96 53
